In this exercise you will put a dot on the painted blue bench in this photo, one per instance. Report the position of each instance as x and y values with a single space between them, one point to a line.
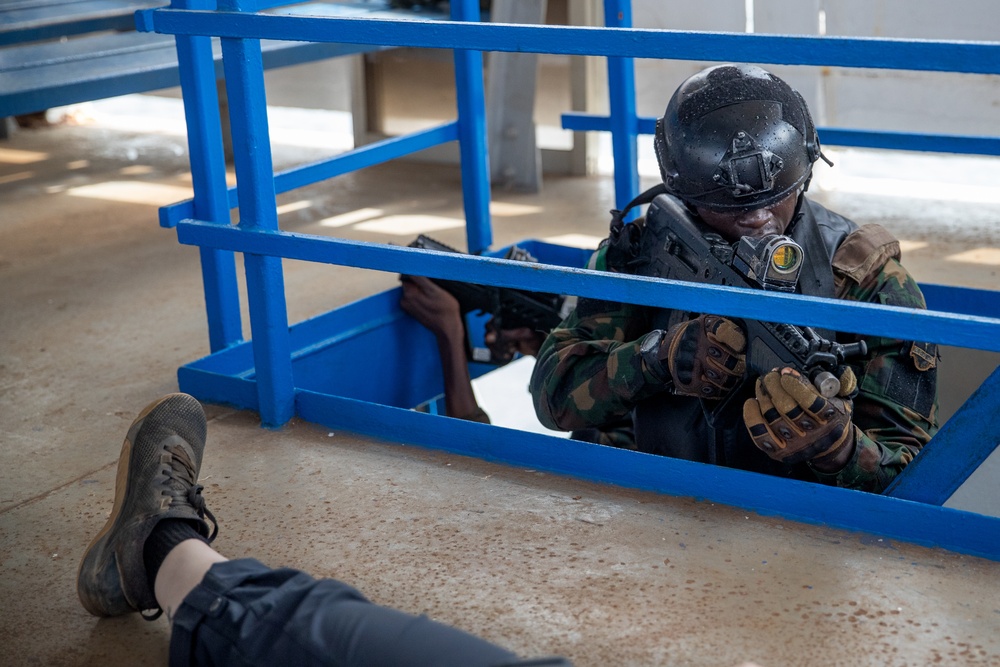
38 75
23 21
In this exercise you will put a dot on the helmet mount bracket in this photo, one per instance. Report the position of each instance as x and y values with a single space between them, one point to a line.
747 169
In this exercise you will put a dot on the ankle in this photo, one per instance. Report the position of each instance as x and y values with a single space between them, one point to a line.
183 569
166 535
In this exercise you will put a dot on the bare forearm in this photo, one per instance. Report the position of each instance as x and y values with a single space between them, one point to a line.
459 398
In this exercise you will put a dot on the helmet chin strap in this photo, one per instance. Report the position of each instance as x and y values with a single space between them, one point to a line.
797 213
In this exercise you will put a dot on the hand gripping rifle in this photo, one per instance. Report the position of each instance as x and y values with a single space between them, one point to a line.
679 250
510 308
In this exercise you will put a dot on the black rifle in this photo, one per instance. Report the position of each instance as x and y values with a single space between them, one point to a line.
680 248
510 308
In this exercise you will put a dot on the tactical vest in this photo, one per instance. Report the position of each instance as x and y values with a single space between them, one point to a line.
678 426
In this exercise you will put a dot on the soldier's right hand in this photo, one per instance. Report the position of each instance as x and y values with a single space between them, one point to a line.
705 356
505 343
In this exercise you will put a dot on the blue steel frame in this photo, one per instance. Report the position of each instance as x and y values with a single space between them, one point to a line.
276 372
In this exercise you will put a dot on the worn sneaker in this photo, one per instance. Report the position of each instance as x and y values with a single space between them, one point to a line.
157 479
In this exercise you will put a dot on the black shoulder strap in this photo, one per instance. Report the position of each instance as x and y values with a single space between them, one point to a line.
644 198
624 238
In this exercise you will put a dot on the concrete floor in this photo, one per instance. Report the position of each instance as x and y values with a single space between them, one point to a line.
99 307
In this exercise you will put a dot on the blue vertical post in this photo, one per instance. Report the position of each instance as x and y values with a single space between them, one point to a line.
475 162
208 175
244 72
624 123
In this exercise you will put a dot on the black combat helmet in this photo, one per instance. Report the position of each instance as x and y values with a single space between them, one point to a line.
735 137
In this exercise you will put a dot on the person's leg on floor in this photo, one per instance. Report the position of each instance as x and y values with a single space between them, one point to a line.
244 613
154 553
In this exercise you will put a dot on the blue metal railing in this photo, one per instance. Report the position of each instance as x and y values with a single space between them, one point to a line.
271 387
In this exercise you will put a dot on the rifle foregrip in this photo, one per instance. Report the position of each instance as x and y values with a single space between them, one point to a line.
852 350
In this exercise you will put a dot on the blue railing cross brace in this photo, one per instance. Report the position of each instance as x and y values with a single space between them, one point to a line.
286 370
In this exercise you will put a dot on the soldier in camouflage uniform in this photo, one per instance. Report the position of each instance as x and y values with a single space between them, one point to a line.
736 146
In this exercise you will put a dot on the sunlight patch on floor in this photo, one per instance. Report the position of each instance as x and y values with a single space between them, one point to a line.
986 256
351 217
585 241
910 246
291 207
16 176
409 225
132 192
506 210
16 156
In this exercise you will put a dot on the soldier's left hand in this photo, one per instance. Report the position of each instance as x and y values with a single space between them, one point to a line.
791 421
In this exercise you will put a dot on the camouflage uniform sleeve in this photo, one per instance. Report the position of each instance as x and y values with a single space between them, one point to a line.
619 434
622 438
895 411
588 371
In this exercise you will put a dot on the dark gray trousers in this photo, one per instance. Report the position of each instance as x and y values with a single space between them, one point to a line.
244 613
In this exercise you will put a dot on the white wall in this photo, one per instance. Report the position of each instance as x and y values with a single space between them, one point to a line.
657 79
846 97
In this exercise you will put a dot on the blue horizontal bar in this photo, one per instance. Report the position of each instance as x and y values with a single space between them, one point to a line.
863 52
831 136
307 174
807 502
592 122
359 8
907 141
172 214
366 156
967 300
211 387
971 331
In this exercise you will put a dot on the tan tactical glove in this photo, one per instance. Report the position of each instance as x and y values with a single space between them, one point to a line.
705 356
791 422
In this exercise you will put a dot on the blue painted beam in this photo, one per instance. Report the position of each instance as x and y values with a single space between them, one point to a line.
962 299
255 177
307 174
365 156
621 100
213 387
196 68
828 51
808 502
933 143
472 136
961 330
832 136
